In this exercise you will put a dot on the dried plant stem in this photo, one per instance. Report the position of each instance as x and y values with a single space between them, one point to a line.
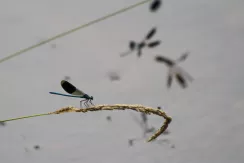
36 115
138 108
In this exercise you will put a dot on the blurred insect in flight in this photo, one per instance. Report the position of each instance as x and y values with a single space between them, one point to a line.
174 70
144 43
155 5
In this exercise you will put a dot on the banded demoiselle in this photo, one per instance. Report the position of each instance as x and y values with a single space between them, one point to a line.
69 88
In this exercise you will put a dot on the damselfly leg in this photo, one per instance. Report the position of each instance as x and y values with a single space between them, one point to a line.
85 103
81 103
91 103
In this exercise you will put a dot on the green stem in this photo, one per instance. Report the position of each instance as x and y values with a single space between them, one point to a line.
36 115
73 30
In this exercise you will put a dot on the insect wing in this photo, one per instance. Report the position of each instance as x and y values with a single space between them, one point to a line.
185 74
181 80
154 44
183 57
164 60
69 88
125 54
169 80
151 33
155 5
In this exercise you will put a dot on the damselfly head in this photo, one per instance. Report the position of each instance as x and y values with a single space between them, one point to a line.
91 97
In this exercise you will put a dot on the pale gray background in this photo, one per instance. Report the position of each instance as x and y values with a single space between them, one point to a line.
208 121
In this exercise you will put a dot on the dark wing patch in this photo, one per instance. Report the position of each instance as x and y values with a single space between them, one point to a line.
151 33
183 56
154 44
169 81
164 60
181 81
68 87
155 5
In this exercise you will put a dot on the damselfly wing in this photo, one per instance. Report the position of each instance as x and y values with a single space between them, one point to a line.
71 89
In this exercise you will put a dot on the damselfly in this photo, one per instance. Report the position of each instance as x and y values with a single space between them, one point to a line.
175 70
145 42
69 88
